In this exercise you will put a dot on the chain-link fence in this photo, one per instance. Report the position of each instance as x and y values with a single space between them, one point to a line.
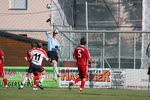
115 50
108 49
108 14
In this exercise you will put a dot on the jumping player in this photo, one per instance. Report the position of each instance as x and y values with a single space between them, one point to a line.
82 56
148 55
36 58
53 46
2 73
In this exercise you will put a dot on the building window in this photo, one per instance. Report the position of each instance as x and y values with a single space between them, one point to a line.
17 4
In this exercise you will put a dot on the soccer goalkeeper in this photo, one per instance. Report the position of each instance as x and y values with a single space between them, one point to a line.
53 47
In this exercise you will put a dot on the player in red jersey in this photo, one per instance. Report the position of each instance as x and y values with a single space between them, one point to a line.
2 73
82 56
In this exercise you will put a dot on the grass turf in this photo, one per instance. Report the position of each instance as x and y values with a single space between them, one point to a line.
65 94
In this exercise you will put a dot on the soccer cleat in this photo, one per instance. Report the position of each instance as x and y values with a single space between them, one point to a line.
58 75
39 82
55 80
40 87
35 88
80 90
20 87
6 86
70 84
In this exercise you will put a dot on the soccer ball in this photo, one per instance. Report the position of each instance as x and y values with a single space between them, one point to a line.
48 6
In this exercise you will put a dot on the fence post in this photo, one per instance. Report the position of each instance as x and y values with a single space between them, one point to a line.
86 9
119 51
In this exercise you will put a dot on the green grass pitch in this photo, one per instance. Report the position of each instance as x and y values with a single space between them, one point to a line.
65 94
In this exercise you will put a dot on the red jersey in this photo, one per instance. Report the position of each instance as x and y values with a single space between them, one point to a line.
81 54
1 55
27 54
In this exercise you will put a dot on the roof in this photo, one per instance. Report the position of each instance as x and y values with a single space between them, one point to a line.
19 38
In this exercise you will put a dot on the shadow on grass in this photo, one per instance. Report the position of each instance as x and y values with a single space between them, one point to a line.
98 94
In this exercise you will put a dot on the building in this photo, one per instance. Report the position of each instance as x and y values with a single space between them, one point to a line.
15 47
24 14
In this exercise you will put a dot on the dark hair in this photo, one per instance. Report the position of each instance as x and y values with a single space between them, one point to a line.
83 41
54 33
39 44
33 44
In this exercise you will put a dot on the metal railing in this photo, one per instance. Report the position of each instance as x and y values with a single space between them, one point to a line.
109 49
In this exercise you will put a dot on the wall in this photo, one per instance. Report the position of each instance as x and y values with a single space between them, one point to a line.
14 51
33 18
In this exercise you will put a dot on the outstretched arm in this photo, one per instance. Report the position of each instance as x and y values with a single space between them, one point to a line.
30 57
48 32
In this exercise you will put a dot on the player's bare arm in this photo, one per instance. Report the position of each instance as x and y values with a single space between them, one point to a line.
26 59
30 57
49 32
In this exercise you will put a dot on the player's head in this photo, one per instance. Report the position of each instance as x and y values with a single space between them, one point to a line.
83 41
39 45
33 44
55 34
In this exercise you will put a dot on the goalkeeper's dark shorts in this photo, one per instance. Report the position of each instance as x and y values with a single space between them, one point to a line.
148 71
52 55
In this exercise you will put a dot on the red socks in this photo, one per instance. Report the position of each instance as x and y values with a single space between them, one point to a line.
36 77
76 80
82 84
35 82
5 81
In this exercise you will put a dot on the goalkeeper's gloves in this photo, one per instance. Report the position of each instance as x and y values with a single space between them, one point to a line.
58 48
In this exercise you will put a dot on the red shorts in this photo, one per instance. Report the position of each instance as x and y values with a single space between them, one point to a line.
83 71
36 73
1 71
